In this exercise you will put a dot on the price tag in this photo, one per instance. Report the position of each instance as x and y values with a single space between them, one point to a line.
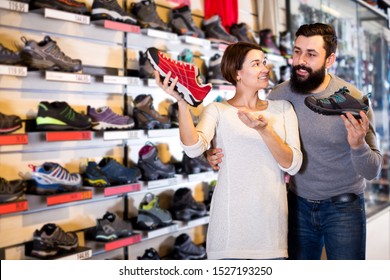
13 207
68 197
160 34
14 6
56 14
68 77
121 26
14 139
116 190
115 80
20 71
123 242
68 136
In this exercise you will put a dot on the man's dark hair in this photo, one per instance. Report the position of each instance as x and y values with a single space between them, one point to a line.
326 31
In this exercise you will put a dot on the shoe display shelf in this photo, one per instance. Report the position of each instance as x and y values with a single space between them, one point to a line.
108 51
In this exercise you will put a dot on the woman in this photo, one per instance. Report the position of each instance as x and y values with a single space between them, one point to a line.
248 214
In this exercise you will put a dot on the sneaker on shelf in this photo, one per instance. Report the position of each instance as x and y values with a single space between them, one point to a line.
150 215
338 103
195 165
215 31
103 118
70 6
59 116
47 55
151 166
214 73
188 85
243 32
267 41
173 113
146 70
110 10
146 14
150 254
111 227
9 57
184 206
187 56
117 173
185 249
52 178
11 190
146 117
50 239
94 176
9 123
182 22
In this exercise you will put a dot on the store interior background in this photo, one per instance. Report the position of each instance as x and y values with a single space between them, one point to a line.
362 59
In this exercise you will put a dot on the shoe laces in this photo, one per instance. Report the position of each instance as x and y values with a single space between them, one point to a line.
180 63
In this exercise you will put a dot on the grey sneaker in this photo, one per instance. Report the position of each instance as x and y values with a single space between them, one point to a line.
185 249
11 190
183 23
48 56
9 57
9 123
150 215
110 10
214 74
243 33
146 14
216 32
110 227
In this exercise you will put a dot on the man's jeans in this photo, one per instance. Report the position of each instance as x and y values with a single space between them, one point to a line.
340 226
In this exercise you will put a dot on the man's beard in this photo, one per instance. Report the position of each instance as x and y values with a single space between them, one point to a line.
313 81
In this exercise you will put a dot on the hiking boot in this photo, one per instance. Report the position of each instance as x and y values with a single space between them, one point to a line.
150 215
9 57
104 118
242 32
110 10
146 14
111 227
184 206
215 31
50 239
338 103
185 249
151 166
195 165
9 123
11 190
146 116
214 73
70 6
146 70
94 176
188 84
117 173
182 22
150 254
285 44
47 55
53 178
60 116
267 41
173 113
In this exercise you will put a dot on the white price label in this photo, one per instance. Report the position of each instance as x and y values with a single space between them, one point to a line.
20 71
14 6
61 15
68 77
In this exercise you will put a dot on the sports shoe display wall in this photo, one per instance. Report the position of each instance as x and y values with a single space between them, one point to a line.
80 77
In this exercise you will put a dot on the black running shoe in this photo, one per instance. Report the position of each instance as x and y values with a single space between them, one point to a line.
60 116
11 190
46 55
195 165
146 14
110 10
50 239
9 123
9 57
185 249
184 206
70 6
338 103
150 254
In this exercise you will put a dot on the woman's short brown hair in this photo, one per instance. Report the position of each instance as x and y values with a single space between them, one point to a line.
234 57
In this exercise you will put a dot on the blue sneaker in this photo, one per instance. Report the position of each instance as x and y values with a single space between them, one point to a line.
95 177
117 173
53 178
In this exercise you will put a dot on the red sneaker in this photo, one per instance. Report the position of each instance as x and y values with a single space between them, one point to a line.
191 90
